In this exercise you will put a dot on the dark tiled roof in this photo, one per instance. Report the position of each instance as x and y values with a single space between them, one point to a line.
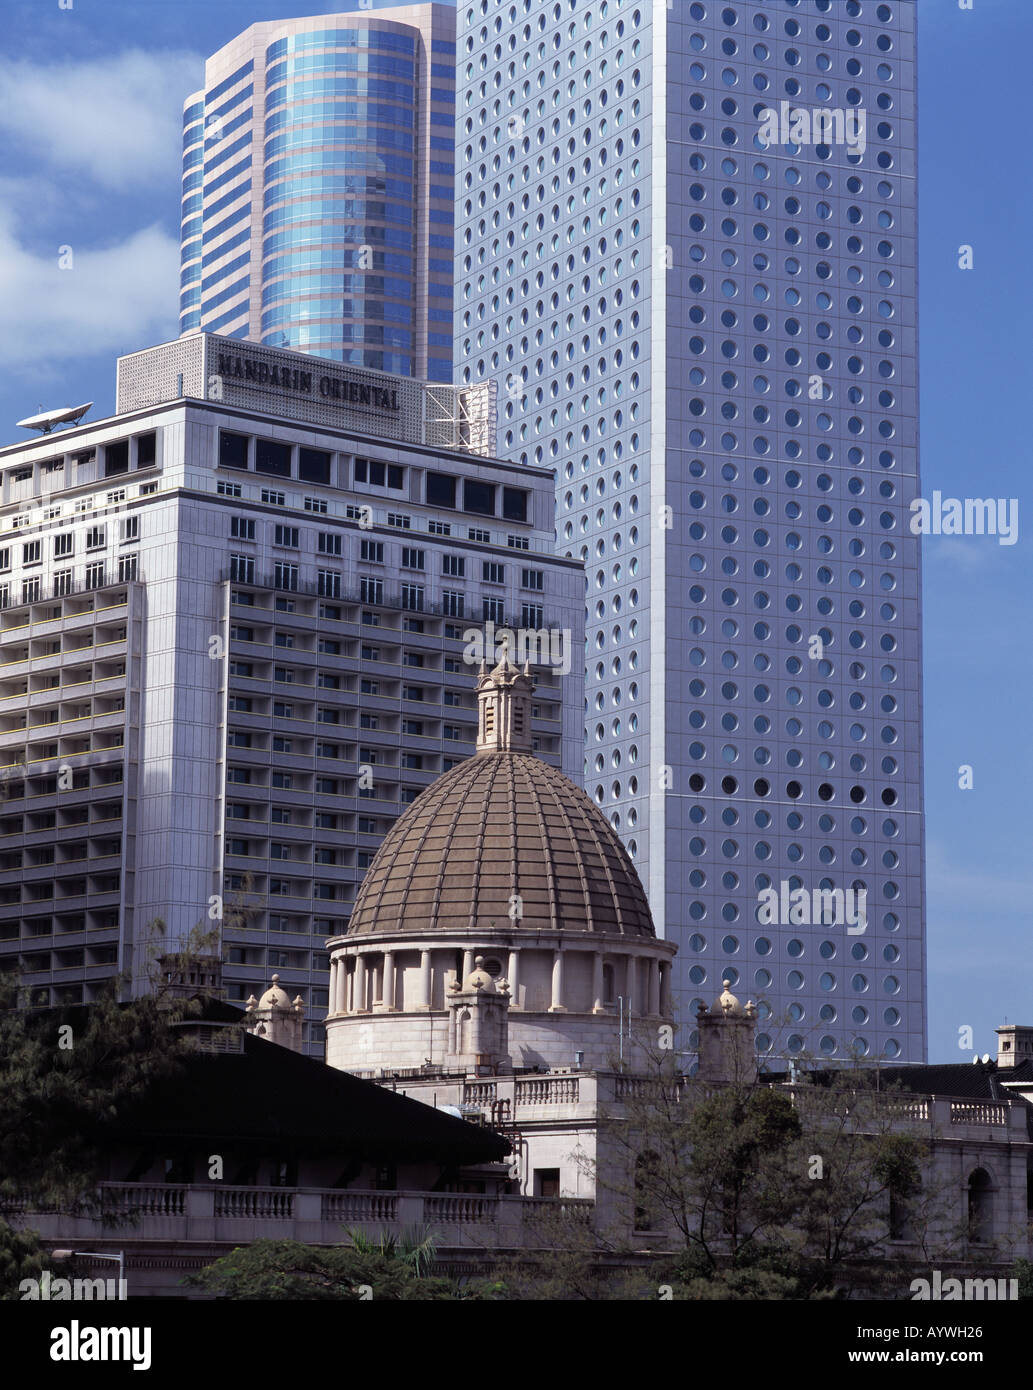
966 1080
962 1080
268 1094
498 825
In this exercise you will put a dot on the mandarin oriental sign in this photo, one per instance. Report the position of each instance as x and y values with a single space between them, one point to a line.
237 367
302 387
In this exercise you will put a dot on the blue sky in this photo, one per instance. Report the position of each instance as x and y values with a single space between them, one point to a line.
90 133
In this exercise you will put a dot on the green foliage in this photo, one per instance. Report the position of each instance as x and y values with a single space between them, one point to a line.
773 1191
383 1267
65 1073
1024 1273
563 1260
21 1257
413 1247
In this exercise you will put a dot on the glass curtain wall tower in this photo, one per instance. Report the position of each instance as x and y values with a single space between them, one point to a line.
686 250
318 189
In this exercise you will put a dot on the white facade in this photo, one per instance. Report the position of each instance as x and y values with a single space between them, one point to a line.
232 678
713 339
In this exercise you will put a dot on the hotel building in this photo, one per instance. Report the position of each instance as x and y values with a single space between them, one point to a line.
239 622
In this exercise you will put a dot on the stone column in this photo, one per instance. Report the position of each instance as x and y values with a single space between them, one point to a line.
426 980
557 1006
514 979
387 993
654 988
665 988
598 1006
359 986
333 986
631 985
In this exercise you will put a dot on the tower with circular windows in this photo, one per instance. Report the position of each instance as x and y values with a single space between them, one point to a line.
685 250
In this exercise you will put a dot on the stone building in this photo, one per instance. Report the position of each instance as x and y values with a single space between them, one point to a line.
501 967
501 950
254 1140
501 957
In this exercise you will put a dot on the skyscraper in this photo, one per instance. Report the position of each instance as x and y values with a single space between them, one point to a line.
686 250
318 189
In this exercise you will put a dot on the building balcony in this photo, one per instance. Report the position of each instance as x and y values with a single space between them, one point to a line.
219 1217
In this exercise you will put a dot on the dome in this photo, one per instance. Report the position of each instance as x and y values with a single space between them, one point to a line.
501 826
479 979
503 840
726 1002
275 998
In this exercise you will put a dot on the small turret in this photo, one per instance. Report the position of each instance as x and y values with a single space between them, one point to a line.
275 1018
727 1043
478 1023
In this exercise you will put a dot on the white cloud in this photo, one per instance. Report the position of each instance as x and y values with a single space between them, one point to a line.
116 121
114 300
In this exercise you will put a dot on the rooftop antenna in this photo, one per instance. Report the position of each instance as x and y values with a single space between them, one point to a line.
47 420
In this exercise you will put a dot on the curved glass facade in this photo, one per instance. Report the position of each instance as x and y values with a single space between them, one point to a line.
321 135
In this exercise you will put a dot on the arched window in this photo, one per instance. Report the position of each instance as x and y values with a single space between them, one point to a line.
900 1222
980 1207
647 1172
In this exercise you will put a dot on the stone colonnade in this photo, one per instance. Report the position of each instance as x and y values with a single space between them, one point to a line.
366 979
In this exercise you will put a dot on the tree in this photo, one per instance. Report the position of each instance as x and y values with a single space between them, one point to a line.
765 1190
65 1072
565 1260
21 1257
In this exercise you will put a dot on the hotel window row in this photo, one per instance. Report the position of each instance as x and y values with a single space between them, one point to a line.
277 458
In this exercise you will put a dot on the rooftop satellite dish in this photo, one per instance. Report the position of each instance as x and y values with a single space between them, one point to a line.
46 420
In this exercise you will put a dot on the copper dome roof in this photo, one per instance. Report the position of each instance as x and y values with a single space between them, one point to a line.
502 823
